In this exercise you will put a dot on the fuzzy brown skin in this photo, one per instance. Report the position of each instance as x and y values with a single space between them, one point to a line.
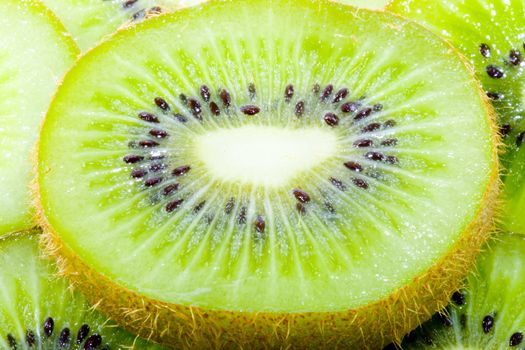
370 327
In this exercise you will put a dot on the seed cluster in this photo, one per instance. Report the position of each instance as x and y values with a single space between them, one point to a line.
154 169
497 72
83 338
138 14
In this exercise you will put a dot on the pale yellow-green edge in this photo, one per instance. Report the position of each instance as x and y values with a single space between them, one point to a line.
368 327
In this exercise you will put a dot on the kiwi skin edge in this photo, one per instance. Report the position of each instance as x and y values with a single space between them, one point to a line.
368 327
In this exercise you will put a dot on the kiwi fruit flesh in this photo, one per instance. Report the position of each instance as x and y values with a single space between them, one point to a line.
40 311
35 53
268 182
491 35
489 312
89 21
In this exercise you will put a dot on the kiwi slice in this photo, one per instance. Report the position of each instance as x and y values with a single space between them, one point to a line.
266 181
491 35
489 313
35 52
39 311
91 20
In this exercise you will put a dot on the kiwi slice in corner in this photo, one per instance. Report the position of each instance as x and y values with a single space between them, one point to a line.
491 35
91 20
262 181
40 311
489 313
35 51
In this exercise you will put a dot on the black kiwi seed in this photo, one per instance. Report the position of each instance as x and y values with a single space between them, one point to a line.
494 96
49 326
132 159
515 57
83 332
158 133
138 173
250 110
484 50
30 338
205 93
162 104
331 119
494 72
170 189
362 114
12 341
516 339
354 166
225 97
171 206
148 144
445 320
392 160
93 342
157 167
389 142
487 324
519 138
458 298
260 224
349 107
139 14
129 3
363 143
360 183
300 208
214 109
327 92
371 127
195 108
242 216
375 156
288 93
377 107
154 181
148 117
299 109
199 207
65 338
505 129
180 118
183 98
329 207
301 195
340 95
179 171
229 206
338 184
389 123
317 87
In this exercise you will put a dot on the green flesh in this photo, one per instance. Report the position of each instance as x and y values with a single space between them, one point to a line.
498 24
375 240
91 20
34 54
494 290
29 295
371 4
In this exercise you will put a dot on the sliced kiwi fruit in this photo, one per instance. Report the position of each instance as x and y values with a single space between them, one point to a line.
489 313
40 311
91 20
261 181
35 51
491 34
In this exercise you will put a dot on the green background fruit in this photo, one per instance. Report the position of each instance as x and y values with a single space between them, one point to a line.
35 51
489 313
40 311
490 35
354 216
91 20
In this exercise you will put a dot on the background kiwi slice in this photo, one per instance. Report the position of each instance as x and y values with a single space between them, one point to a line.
39 311
305 184
91 20
35 51
371 4
489 313
491 35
